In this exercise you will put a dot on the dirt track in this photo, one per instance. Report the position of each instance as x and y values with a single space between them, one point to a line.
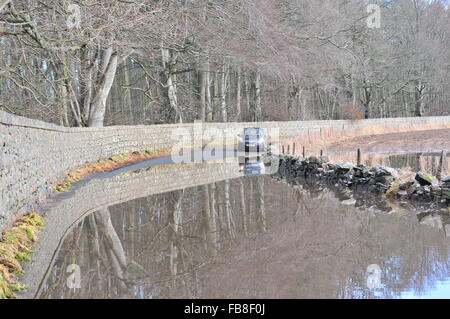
419 141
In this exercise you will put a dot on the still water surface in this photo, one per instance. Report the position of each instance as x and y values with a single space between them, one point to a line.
252 237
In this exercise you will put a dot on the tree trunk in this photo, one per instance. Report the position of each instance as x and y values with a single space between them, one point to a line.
258 110
171 82
208 91
418 110
98 107
216 95
238 95
247 89
128 100
366 102
223 91
203 85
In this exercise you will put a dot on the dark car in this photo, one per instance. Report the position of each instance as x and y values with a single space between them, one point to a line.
252 140
252 166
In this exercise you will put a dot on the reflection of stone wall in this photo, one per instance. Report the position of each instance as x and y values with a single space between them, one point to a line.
35 155
314 247
84 198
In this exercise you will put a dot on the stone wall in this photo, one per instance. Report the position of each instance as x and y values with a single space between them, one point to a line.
36 155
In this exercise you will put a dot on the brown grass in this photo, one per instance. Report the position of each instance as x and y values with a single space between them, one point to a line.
15 247
107 165
112 163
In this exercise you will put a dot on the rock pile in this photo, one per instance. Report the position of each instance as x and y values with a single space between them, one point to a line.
424 188
346 175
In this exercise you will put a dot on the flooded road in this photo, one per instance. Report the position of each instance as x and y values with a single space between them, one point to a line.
234 236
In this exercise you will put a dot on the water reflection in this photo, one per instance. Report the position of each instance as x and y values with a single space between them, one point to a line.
249 237
254 166
426 162
414 162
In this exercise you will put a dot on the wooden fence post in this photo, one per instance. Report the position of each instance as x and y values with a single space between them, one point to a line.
442 161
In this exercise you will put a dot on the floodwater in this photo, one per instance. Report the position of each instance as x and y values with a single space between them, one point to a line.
252 237
413 162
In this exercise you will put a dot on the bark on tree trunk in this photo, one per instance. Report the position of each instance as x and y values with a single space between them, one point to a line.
258 110
366 102
418 110
223 91
203 84
98 107
216 96
238 95
247 93
171 83
128 100
208 91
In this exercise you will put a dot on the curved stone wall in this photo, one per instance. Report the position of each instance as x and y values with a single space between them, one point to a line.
36 155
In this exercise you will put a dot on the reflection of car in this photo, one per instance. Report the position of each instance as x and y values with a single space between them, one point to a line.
252 140
252 166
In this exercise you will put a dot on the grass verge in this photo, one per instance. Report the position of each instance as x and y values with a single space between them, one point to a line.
107 165
15 248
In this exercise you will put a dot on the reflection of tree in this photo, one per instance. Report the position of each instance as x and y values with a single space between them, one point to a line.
210 220
242 200
111 244
427 162
405 160
228 215
176 233
253 238
260 207
95 246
